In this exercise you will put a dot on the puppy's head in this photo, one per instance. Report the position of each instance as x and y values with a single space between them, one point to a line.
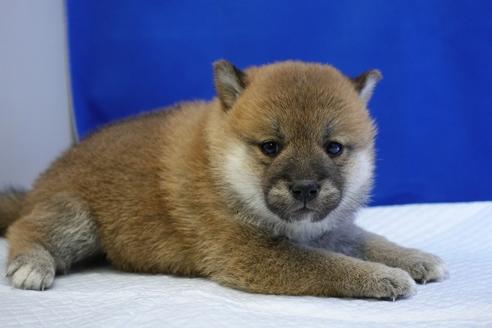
296 143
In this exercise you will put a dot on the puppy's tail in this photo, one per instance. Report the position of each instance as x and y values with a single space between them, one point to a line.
11 202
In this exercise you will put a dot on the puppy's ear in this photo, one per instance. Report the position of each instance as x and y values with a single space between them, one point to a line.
365 83
229 82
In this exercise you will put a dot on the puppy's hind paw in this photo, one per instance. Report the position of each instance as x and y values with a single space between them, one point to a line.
28 271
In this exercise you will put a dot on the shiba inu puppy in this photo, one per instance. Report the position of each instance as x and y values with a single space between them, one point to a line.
256 190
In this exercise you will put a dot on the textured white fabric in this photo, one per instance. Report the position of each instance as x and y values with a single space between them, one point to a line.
460 233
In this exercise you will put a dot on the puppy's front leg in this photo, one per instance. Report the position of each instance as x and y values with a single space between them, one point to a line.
422 266
280 267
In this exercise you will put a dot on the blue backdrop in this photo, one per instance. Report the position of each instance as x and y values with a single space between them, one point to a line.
433 107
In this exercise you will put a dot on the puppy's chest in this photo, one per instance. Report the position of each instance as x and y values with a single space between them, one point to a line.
332 241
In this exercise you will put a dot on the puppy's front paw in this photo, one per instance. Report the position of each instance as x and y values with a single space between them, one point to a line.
28 271
389 283
424 267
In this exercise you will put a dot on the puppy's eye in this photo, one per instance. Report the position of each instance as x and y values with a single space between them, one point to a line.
334 149
270 148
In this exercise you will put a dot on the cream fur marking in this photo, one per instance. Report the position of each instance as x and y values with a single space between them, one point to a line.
366 92
244 181
359 175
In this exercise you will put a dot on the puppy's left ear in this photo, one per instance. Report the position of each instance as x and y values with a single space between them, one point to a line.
229 82
365 83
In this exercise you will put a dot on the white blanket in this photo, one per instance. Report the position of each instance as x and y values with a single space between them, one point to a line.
101 297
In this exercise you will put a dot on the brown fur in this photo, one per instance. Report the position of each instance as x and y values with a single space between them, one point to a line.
151 195
11 202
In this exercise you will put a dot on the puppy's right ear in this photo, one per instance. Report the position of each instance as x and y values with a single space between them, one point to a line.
229 82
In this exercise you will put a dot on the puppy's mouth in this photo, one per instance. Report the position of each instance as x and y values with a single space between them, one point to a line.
303 209
302 213
308 212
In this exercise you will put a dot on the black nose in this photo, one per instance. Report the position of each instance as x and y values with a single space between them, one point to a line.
304 190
